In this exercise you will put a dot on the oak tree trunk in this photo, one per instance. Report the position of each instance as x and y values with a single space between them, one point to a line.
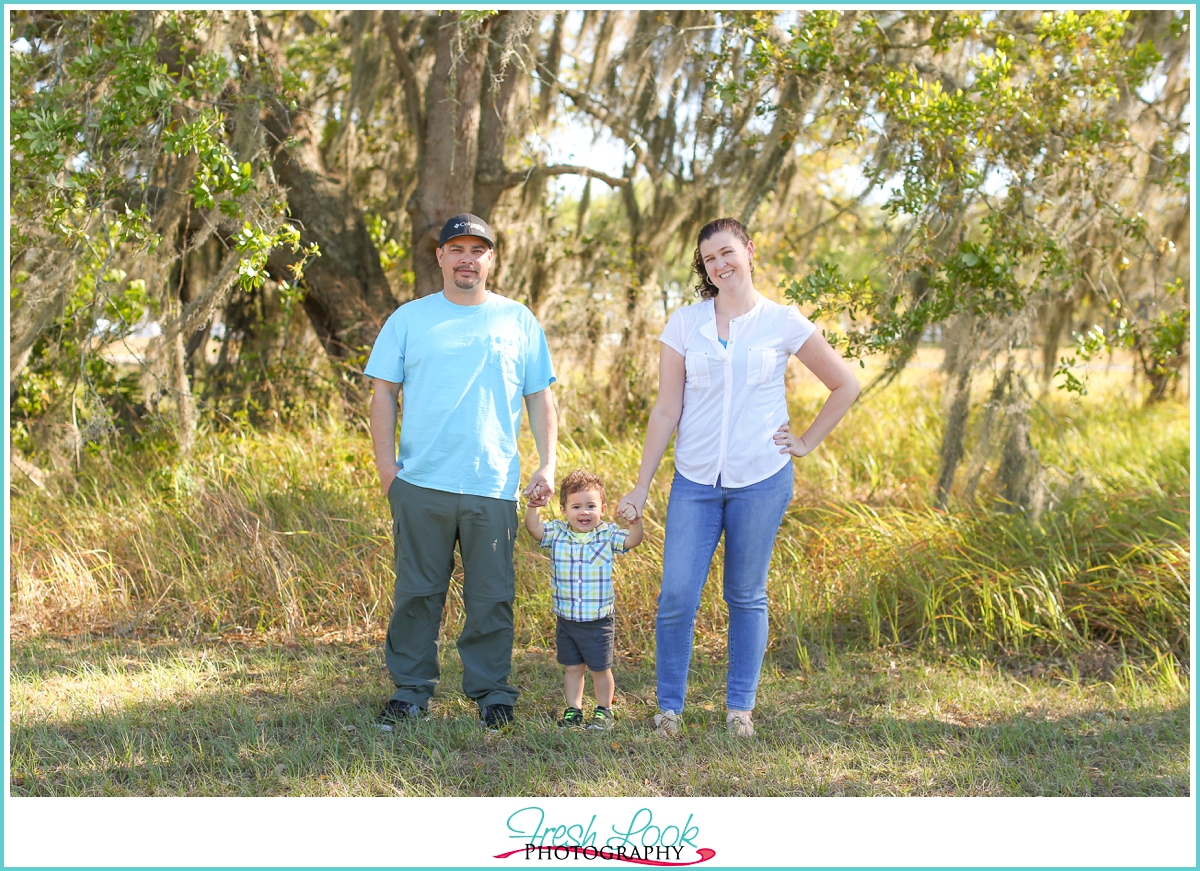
446 184
348 297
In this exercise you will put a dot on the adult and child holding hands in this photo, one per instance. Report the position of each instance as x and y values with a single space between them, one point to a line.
465 360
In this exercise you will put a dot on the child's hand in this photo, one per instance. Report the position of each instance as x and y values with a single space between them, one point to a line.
539 495
628 510
636 533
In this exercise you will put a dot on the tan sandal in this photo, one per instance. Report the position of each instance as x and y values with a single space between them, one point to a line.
740 724
666 723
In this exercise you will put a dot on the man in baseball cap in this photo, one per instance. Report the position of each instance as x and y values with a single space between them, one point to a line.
466 224
466 359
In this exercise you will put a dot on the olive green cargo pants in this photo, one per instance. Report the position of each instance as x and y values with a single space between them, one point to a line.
426 525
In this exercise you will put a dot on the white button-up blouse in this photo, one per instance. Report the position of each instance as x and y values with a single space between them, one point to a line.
733 397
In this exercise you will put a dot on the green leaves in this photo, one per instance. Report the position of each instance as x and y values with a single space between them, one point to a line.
45 131
1008 172
114 154
218 171
82 113
391 252
825 291
1087 346
255 245
1158 338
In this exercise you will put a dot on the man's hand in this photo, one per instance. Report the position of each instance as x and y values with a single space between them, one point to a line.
541 488
387 476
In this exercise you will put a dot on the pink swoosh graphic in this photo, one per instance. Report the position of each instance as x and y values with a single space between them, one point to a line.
705 855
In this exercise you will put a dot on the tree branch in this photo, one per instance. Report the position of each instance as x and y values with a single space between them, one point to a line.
28 469
517 177
841 210
589 105
408 75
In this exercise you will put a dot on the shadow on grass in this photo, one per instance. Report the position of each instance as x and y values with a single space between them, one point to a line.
122 718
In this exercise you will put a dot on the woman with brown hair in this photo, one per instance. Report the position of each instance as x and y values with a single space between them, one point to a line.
721 384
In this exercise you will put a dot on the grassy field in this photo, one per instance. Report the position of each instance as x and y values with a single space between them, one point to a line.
213 627
115 717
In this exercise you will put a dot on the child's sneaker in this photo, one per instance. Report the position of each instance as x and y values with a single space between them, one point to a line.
740 724
602 718
572 718
666 723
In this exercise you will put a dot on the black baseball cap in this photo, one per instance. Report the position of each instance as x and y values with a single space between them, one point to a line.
466 224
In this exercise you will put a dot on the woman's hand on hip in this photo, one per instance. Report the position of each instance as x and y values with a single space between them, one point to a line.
790 443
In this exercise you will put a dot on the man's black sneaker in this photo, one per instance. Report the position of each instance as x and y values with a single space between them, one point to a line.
496 717
602 718
396 711
572 718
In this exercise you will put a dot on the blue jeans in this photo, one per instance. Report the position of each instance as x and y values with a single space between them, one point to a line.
696 516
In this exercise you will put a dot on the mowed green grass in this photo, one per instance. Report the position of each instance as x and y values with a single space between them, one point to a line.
214 626
111 717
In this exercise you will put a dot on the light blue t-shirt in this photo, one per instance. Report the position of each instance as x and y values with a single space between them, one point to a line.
465 370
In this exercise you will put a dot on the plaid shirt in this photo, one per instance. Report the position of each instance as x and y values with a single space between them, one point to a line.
581 568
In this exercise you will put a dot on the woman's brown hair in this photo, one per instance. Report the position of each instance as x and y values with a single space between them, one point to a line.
706 289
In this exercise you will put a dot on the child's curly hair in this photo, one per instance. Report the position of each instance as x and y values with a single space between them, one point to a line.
576 482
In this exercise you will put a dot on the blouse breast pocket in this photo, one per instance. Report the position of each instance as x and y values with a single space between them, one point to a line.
697 371
760 365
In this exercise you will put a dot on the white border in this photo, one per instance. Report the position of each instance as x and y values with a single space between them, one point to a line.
747 832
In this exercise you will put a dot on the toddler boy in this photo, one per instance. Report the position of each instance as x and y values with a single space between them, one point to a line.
581 558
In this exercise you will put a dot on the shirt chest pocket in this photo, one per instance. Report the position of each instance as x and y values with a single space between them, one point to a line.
594 552
504 354
696 364
760 365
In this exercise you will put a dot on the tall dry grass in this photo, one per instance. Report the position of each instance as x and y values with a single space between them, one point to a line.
287 533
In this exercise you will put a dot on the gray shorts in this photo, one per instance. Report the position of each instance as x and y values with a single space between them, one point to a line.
587 642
